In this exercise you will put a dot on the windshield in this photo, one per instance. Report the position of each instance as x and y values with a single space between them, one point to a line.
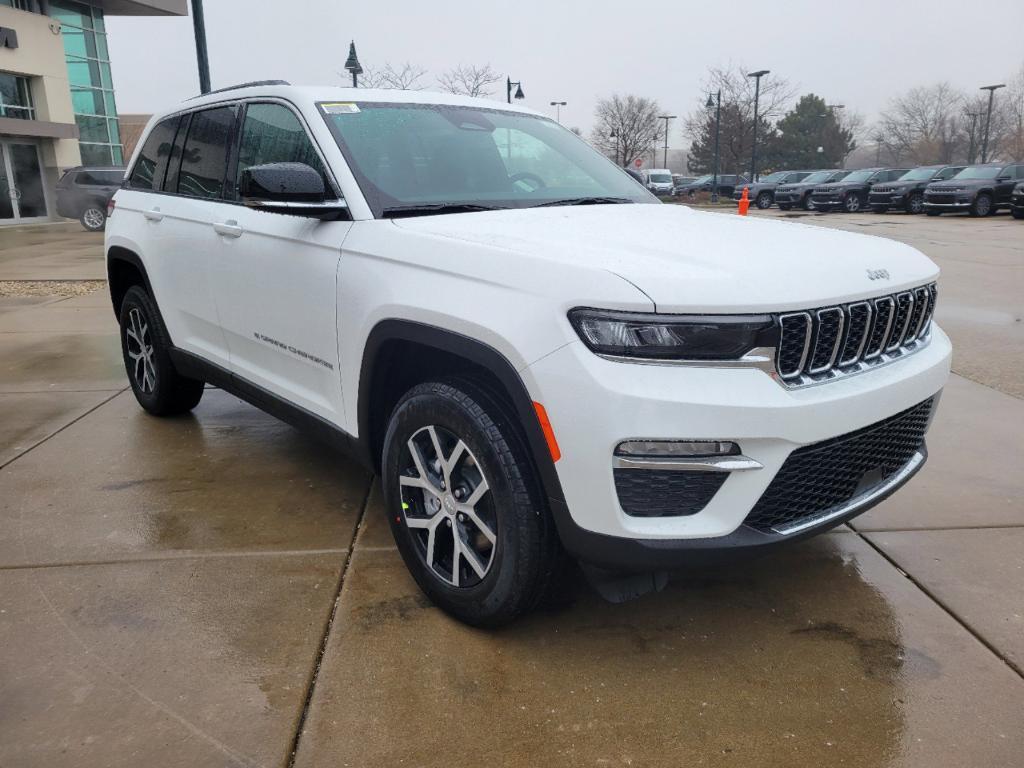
792 178
777 176
860 176
414 156
979 172
817 176
661 178
918 174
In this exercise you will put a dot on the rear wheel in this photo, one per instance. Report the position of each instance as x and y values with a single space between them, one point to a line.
982 205
157 386
464 505
764 200
915 203
94 218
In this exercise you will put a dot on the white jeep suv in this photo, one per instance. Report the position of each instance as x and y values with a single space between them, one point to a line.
533 353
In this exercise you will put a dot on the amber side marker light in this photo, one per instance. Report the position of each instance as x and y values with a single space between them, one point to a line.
549 433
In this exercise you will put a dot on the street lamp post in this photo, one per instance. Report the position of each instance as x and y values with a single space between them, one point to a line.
973 135
199 27
666 118
717 103
988 120
352 64
508 89
615 135
757 93
831 111
558 110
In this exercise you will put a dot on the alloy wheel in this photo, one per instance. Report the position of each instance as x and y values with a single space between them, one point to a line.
93 218
852 203
448 507
140 351
916 203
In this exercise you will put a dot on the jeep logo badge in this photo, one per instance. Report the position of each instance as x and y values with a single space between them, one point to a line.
878 274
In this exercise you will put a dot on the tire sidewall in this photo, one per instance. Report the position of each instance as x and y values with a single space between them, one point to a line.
977 209
764 200
136 298
430 405
919 200
85 224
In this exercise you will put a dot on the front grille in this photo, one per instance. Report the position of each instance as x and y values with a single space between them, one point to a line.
665 493
881 190
940 198
822 344
818 478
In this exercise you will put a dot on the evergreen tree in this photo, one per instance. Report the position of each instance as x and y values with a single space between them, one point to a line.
810 124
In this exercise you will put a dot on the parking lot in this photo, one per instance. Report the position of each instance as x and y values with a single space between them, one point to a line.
219 589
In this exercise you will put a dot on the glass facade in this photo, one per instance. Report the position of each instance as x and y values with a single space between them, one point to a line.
15 97
92 89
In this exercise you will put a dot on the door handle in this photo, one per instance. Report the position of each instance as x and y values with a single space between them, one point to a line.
229 228
153 214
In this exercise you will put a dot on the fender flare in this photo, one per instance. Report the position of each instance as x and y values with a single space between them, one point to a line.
475 352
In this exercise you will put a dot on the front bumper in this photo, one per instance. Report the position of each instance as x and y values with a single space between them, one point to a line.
886 198
826 202
595 403
787 198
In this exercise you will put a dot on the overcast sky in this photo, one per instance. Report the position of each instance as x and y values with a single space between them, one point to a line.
859 53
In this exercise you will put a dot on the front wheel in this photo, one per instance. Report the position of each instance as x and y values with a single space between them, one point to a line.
852 203
764 200
915 203
93 218
807 204
464 504
982 205
157 386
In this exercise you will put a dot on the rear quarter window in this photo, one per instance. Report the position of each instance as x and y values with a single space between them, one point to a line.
148 171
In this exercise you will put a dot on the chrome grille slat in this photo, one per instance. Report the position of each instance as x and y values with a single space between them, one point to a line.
830 342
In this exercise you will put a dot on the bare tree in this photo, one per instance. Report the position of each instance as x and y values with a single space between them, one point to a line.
627 125
1013 116
924 125
469 80
405 77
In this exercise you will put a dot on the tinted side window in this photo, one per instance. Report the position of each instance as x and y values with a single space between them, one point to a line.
98 178
271 133
205 153
148 172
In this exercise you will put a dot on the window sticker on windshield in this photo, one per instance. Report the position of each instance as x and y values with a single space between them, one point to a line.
339 108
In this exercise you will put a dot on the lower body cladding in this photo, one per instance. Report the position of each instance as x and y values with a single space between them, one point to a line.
826 204
802 460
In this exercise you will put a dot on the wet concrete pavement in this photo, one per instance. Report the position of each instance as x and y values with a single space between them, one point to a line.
219 589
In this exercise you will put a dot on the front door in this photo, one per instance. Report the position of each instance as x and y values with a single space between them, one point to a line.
21 182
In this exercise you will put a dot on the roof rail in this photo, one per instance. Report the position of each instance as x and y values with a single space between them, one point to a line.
250 84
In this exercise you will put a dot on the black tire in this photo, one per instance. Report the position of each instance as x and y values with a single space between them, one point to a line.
915 203
764 200
933 213
982 205
158 387
784 206
1017 213
524 552
94 218
880 208
852 203
807 204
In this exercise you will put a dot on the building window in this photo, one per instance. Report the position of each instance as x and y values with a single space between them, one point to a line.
21 5
92 89
16 97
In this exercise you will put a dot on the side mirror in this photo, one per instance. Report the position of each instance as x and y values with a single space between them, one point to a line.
288 188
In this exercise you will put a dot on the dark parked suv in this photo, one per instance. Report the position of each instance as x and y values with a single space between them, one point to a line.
851 192
907 192
82 193
980 190
762 191
727 183
1017 201
799 195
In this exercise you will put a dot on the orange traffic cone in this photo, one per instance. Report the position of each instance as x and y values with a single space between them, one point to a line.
744 201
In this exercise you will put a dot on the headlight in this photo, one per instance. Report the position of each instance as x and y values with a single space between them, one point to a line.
672 337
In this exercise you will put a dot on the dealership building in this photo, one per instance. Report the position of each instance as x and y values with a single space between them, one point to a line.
57 104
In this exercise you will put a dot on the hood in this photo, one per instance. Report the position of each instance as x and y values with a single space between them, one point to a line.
960 183
695 261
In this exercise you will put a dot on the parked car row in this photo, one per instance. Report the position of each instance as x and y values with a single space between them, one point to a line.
980 190
728 183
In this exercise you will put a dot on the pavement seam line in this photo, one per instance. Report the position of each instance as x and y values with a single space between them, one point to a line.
942 605
70 423
172 557
322 650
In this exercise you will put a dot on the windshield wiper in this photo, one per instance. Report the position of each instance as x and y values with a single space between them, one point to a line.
582 201
429 209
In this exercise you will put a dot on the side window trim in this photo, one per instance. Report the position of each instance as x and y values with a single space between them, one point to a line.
174 161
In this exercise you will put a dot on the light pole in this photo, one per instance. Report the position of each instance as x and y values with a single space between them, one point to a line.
199 27
831 111
615 135
988 120
757 93
558 110
974 126
717 103
352 64
508 89
666 118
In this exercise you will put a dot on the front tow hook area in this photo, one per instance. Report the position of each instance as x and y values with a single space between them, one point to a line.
618 587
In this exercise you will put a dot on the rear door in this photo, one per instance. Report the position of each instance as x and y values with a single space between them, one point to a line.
276 275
